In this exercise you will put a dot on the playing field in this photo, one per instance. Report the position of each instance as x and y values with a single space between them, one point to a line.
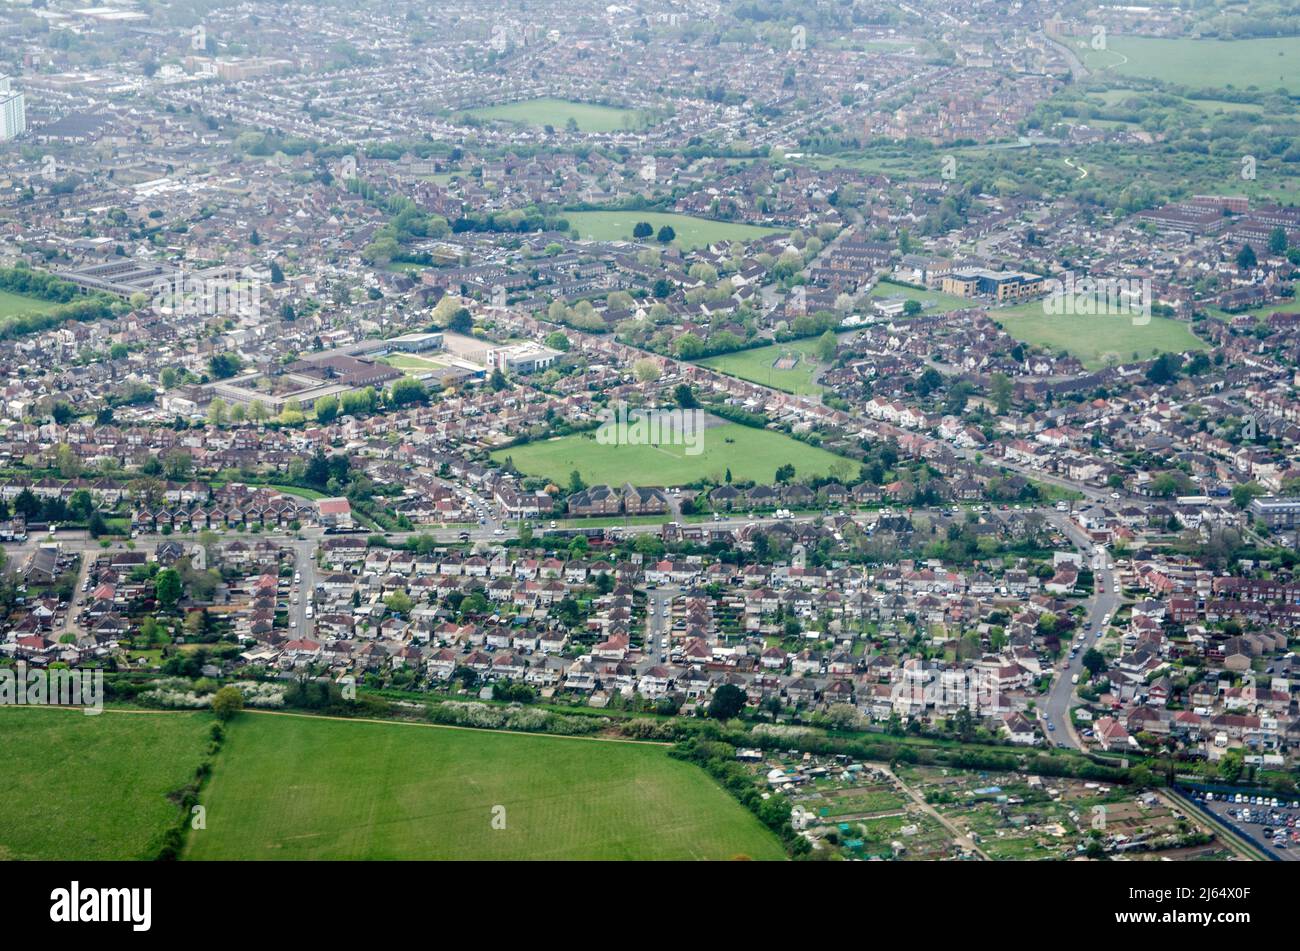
557 112
691 232
1265 63
750 454
303 788
758 366
1097 339
932 302
14 305
94 788
411 365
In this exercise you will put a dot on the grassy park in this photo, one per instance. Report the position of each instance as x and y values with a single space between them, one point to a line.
556 113
691 232
1095 338
750 454
759 365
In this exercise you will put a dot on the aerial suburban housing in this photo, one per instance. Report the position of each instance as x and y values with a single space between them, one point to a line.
662 430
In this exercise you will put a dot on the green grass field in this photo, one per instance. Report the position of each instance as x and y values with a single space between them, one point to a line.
748 452
691 232
932 302
300 788
1093 338
411 365
557 112
1265 63
15 305
756 366
92 788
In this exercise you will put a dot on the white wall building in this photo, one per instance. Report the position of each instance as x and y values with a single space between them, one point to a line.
13 111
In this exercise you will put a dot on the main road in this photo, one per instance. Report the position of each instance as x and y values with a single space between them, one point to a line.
1105 599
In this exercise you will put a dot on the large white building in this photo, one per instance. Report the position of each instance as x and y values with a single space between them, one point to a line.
13 111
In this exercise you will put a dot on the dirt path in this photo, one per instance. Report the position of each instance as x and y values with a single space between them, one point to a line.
961 838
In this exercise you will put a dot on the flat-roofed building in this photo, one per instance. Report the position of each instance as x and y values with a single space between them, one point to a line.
1276 511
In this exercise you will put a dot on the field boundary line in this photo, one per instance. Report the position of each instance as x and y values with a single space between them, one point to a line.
318 716
452 726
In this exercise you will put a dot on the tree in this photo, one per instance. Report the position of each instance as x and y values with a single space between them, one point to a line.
217 412
277 275
1000 391
1094 661
27 504
399 602
167 586
728 700
406 391
327 408
1244 494
462 322
646 370
1246 259
642 229
784 473
558 341
685 396
227 702
223 365
1277 242
826 346
1165 368
666 234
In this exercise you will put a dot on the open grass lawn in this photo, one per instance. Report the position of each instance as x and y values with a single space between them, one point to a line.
557 112
1266 63
1092 338
15 305
748 452
932 302
92 787
290 787
412 366
756 365
691 232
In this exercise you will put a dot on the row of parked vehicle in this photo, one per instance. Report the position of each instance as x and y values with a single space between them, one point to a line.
1280 818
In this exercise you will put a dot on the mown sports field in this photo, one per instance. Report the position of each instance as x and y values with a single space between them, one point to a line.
290 787
764 365
691 232
750 454
295 787
1097 339
589 117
